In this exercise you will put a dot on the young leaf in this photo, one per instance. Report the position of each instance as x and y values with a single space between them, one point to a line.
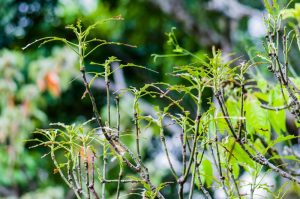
277 118
256 118
206 171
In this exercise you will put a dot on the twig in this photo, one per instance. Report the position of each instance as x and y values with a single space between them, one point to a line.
119 180
137 134
222 178
79 171
206 193
193 176
87 179
183 138
92 185
275 108
234 182
118 118
163 140
104 169
196 136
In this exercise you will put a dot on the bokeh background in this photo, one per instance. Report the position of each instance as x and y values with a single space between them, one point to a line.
41 85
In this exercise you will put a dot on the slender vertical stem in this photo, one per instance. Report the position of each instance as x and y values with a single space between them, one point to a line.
203 189
253 185
196 135
71 178
119 180
219 170
241 122
137 134
104 169
205 192
219 160
183 137
79 172
285 52
107 83
234 182
180 190
193 147
163 141
193 176
69 174
108 102
76 182
118 118
92 185
87 181
183 178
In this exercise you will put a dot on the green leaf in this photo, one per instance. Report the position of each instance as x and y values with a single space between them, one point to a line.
268 6
235 170
277 118
259 146
239 156
207 172
292 12
262 84
287 157
222 125
256 118
279 140
233 108
262 96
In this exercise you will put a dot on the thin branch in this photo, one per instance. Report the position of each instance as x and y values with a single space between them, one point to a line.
218 165
92 185
104 169
137 134
193 176
203 189
87 178
163 141
234 183
119 180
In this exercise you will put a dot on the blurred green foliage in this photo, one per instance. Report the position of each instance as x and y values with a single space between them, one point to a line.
27 87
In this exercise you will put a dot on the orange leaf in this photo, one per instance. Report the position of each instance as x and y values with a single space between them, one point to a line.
52 81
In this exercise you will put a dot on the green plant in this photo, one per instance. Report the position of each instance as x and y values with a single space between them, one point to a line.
233 136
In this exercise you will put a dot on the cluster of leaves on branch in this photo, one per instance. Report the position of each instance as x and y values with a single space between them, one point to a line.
242 131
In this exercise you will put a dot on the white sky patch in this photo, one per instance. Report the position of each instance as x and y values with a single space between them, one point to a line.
88 5
256 26
265 181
